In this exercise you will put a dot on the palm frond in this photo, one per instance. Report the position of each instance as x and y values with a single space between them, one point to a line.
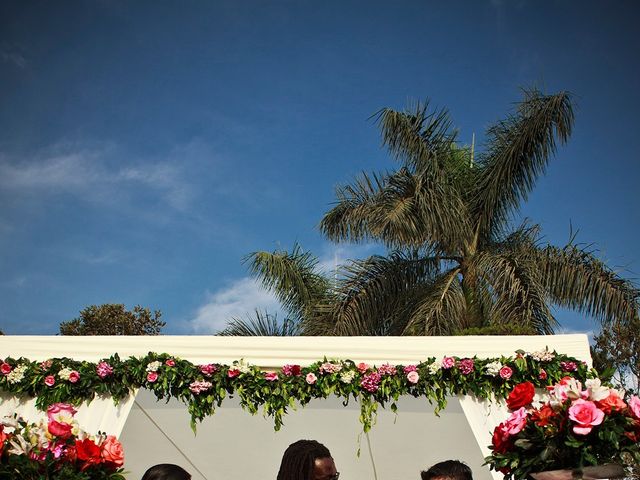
519 296
262 324
291 276
519 149
372 293
401 210
419 138
575 278
440 308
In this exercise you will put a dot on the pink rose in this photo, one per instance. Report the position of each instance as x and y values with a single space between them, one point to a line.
413 377
634 406
516 421
506 372
60 412
111 451
542 375
170 362
311 378
410 368
270 376
362 367
586 415
59 429
50 380
448 362
152 377
233 373
74 376
5 368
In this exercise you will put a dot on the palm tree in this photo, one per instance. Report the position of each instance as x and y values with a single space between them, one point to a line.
455 263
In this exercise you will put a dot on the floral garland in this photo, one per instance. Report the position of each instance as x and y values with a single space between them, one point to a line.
203 387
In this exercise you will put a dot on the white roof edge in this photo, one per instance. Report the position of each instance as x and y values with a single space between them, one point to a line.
276 351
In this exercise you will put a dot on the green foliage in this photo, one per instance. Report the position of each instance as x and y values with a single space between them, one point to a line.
114 319
616 350
204 387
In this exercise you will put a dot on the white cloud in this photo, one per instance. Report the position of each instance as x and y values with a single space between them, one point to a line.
238 299
89 174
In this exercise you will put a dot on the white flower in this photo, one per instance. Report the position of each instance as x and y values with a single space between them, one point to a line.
348 376
17 374
65 373
153 366
241 366
493 368
434 367
543 355
596 390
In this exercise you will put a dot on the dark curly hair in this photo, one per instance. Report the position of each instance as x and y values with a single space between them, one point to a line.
299 459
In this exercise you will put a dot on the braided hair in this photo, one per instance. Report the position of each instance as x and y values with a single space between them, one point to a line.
299 459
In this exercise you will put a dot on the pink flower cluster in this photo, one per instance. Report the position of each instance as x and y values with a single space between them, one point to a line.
270 376
329 367
371 382
387 369
409 368
466 366
568 366
291 370
200 386
103 369
208 369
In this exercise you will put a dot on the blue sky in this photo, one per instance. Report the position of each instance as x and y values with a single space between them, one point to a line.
146 147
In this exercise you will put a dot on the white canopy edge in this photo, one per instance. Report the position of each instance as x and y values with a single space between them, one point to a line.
273 352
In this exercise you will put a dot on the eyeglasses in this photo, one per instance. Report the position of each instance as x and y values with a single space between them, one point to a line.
335 476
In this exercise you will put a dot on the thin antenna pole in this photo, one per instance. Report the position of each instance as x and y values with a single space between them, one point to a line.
473 144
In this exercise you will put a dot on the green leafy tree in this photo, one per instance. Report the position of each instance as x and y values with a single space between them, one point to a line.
455 261
617 349
114 319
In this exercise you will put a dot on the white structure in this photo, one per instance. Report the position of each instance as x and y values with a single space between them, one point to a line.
233 445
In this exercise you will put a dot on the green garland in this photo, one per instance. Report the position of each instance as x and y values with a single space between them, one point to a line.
203 387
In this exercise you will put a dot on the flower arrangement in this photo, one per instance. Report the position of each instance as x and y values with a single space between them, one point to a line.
57 449
574 428
204 387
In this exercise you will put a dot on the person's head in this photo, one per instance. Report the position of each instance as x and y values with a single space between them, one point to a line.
166 471
307 460
448 470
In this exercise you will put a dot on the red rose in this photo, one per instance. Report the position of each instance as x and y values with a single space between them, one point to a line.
74 377
170 362
611 403
543 374
50 380
501 440
233 372
59 429
152 377
5 368
88 452
521 395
